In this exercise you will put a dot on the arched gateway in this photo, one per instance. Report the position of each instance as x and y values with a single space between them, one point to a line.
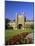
19 26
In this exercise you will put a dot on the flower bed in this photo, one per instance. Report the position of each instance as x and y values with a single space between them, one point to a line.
19 39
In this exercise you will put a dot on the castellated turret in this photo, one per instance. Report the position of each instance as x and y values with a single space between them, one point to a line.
20 20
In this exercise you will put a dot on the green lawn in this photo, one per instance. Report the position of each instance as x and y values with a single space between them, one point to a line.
10 33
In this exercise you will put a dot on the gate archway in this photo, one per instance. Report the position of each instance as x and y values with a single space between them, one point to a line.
19 26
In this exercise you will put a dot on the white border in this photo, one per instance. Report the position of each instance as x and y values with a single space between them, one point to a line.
2 22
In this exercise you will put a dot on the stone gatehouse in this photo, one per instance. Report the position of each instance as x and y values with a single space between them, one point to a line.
20 22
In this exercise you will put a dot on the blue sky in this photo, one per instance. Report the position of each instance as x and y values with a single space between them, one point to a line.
11 8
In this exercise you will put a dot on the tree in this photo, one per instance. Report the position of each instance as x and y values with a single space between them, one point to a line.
6 22
24 18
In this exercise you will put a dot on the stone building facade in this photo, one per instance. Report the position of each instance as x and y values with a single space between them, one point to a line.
20 22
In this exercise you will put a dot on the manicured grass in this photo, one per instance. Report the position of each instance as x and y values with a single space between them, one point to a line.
9 33
28 30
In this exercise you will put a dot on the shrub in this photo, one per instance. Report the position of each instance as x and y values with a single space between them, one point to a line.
32 26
